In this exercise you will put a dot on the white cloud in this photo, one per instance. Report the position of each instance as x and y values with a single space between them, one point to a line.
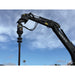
43 37
9 30
3 39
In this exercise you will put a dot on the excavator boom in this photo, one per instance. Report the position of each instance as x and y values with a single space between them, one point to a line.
56 29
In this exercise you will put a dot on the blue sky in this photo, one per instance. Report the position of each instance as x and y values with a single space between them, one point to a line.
39 47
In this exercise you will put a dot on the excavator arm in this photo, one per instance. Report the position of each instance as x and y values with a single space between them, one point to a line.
56 29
